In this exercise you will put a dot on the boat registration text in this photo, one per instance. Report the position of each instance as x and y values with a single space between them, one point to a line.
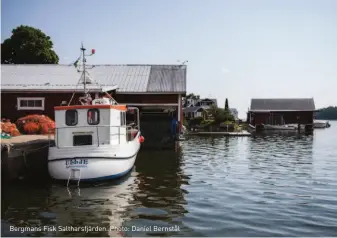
76 163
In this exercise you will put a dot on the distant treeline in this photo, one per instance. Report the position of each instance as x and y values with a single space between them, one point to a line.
327 113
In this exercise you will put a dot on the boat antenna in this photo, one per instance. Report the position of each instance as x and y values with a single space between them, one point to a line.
86 96
83 61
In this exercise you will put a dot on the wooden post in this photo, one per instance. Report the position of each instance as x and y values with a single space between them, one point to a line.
298 124
180 109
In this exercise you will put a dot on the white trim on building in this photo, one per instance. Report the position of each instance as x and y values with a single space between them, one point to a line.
30 103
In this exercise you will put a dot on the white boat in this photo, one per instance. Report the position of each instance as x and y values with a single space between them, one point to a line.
92 140
321 124
251 127
279 127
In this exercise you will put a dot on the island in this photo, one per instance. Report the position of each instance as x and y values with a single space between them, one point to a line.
327 113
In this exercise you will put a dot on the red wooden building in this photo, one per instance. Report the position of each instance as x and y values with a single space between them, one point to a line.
36 89
281 111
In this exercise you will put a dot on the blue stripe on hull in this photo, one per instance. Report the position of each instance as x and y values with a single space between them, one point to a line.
114 176
110 177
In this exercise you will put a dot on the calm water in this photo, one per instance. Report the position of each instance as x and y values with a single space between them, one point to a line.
271 185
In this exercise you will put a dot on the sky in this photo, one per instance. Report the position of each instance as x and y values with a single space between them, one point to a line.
239 49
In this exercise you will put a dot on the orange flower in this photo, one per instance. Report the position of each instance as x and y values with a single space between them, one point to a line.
44 128
15 133
43 122
8 127
31 128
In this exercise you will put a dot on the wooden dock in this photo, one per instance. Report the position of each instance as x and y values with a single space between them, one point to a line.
223 133
25 139
24 155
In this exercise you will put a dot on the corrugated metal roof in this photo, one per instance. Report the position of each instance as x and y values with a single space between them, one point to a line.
56 88
283 104
167 78
39 74
128 78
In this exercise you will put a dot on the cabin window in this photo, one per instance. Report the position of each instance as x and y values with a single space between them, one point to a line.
71 117
30 103
79 140
93 116
123 118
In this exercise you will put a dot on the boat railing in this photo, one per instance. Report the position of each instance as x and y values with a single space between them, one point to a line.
130 133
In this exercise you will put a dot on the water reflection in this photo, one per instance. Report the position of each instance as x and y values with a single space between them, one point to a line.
152 195
281 166
282 153
160 194
23 207
283 180
98 207
258 186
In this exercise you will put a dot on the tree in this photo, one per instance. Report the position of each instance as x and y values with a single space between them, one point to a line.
220 115
226 105
28 45
328 113
190 96
213 111
193 96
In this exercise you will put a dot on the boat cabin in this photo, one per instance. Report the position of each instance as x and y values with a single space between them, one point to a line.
98 123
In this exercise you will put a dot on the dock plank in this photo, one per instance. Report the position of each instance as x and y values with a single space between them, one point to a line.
26 139
243 133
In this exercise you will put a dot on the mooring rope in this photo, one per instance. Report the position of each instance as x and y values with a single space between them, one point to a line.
24 158
29 150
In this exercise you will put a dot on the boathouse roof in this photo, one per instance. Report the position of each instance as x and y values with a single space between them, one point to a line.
282 104
142 79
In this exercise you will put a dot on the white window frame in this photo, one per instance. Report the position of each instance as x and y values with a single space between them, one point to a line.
19 99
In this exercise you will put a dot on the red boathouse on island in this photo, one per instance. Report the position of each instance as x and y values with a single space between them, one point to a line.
277 111
157 90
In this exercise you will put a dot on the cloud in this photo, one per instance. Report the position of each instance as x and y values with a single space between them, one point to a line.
224 70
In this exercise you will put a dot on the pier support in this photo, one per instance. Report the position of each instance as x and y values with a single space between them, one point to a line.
25 156
309 129
180 109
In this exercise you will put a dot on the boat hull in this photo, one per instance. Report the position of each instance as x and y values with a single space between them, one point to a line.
251 128
281 128
92 163
94 169
320 125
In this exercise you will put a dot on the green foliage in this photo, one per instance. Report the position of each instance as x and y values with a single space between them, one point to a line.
192 96
237 128
220 115
244 126
195 121
226 105
229 116
213 111
185 123
207 122
204 115
28 45
328 113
